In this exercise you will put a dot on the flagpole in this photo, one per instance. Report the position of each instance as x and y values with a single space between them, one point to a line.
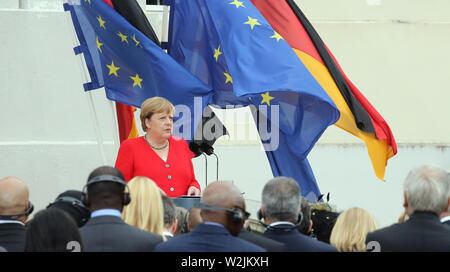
115 125
164 24
90 100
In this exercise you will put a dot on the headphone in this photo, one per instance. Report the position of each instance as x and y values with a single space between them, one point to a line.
237 215
75 203
17 216
106 178
281 227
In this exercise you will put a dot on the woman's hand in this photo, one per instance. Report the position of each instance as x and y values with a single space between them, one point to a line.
193 191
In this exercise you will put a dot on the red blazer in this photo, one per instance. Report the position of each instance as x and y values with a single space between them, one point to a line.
137 158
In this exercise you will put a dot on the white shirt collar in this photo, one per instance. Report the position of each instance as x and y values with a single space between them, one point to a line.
281 222
103 212
11 221
166 233
445 219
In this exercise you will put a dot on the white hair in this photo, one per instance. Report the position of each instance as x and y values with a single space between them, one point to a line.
427 188
281 198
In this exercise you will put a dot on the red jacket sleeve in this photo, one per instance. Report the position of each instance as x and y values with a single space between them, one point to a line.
191 155
124 161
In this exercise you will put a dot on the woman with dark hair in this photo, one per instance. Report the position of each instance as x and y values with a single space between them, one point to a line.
53 230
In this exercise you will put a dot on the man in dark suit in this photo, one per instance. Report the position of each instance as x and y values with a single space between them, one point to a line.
426 196
105 230
170 217
14 210
281 211
223 213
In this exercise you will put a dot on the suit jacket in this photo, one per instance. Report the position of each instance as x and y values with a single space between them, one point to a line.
296 241
423 231
12 237
207 238
259 240
112 234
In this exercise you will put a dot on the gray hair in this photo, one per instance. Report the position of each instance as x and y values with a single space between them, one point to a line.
281 199
427 188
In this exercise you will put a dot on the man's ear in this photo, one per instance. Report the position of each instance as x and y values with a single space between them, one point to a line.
174 226
261 214
405 203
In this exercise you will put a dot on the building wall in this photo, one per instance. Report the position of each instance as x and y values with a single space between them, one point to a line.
394 51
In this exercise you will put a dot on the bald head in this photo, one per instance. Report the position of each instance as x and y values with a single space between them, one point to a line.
13 196
223 194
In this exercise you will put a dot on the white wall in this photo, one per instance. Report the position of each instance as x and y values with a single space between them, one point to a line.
394 51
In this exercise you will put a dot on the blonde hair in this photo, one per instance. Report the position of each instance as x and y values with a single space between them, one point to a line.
350 231
154 105
145 210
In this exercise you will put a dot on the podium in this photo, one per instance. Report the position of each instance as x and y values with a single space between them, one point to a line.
186 201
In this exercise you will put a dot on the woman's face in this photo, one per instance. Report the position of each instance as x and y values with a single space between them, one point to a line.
160 125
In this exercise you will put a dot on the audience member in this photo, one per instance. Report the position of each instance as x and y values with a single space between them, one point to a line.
306 224
182 220
145 211
350 231
323 218
105 230
70 202
281 212
223 212
194 218
426 193
14 210
170 217
53 230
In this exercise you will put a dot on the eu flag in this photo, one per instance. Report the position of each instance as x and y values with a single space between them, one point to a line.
128 64
232 48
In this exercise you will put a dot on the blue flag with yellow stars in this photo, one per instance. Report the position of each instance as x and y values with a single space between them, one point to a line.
230 46
128 64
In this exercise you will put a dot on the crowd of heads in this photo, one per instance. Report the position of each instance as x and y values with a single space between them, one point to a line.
426 189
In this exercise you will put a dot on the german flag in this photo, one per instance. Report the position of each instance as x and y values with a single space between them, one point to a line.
358 116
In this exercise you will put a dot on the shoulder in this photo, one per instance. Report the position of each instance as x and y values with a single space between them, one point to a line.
178 141
132 142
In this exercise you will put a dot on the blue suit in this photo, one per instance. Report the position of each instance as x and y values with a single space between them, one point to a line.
295 241
207 238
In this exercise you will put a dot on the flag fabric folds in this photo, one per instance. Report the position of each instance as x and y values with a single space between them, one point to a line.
129 65
357 115
231 47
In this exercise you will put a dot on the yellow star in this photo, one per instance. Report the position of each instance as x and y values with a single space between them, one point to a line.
113 69
266 98
237 3
277 36
228 78
88 1
136 80
252 22
101 22
99 45
136 41
123 37
217 53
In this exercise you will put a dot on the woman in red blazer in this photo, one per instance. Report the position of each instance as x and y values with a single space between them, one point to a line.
158 155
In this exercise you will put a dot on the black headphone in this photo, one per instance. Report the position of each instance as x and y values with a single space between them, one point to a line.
17 216
280 227
77 203
237 215
106 178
